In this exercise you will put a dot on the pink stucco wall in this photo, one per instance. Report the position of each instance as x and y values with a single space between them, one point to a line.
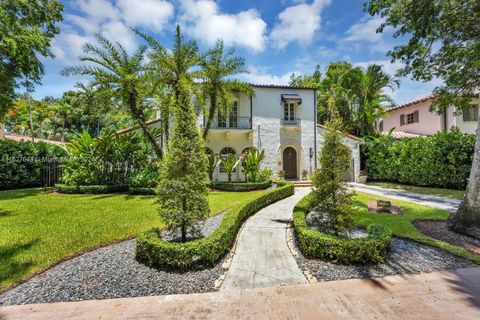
429 122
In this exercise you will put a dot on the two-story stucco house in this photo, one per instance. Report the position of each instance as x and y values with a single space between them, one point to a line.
279 119
415 118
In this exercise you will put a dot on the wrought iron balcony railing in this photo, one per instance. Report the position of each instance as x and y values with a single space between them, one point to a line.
231 123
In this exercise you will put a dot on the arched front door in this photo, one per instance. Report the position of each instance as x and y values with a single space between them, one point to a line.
290 163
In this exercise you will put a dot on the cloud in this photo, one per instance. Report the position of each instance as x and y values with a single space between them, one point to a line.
112 19
364 33
203 20
298 23
257 76
152 14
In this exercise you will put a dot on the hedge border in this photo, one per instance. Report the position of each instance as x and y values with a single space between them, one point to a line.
317 244
205 252
241 186
94 189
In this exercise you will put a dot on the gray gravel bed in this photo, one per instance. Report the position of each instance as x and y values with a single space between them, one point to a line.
405 257
111 272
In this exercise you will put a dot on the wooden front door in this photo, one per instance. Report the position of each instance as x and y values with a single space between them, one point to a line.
290 163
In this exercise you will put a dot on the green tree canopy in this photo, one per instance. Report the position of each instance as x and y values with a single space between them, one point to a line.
26 30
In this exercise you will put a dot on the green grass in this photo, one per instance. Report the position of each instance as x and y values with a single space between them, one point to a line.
38 229
439 192
401 225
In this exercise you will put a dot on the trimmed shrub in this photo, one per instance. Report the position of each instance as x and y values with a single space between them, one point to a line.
443 160
241 186
22 162
317 244
204 252
95 189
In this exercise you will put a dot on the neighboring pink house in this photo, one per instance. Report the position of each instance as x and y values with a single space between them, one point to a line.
415 118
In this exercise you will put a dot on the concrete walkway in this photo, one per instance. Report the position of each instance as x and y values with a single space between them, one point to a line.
437 295
262 257
450 205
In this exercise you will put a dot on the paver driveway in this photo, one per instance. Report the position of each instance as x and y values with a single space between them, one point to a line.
262 257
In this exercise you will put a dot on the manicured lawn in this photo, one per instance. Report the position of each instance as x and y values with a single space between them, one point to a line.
439 192
39 229
401 225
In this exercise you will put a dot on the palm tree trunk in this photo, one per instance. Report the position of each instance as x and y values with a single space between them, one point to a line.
156 147
211 114
466 219
139 116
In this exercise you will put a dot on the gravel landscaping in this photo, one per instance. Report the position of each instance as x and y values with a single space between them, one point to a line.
405 257
112 272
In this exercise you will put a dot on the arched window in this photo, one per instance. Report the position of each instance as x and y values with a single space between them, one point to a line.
224 154
380 126
247 150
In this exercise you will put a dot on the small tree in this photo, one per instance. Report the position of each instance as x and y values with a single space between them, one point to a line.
183 185
230 162
251 164
213 162
331 195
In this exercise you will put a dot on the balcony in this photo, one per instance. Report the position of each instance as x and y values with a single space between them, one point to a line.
291 122
231 123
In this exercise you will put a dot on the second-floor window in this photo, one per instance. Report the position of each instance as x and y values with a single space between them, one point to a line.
230 118
234 115
289 111
470 114
409 118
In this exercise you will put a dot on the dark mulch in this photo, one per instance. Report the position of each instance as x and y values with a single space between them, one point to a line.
440 231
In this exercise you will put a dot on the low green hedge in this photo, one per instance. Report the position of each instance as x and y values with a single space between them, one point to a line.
204 252
316 244
141 191
241 186
95 189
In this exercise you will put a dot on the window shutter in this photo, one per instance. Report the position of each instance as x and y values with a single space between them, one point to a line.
402 119
415 116
475 113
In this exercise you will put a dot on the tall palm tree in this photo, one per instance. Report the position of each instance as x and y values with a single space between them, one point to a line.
124 73
172 70
218 66
372 97
62 113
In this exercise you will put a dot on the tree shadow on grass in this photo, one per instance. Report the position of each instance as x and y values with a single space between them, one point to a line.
20 193
5 213
9 266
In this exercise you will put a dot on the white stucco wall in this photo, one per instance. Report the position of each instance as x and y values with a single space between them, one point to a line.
270 135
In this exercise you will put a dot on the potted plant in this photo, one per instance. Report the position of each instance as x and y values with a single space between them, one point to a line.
362 177
281 175
304 175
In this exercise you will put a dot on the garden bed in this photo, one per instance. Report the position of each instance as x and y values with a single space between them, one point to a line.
241 186
404 257
322 245
112 272
207 251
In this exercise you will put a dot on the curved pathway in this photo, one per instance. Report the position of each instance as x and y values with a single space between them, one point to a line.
262 257
450 205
